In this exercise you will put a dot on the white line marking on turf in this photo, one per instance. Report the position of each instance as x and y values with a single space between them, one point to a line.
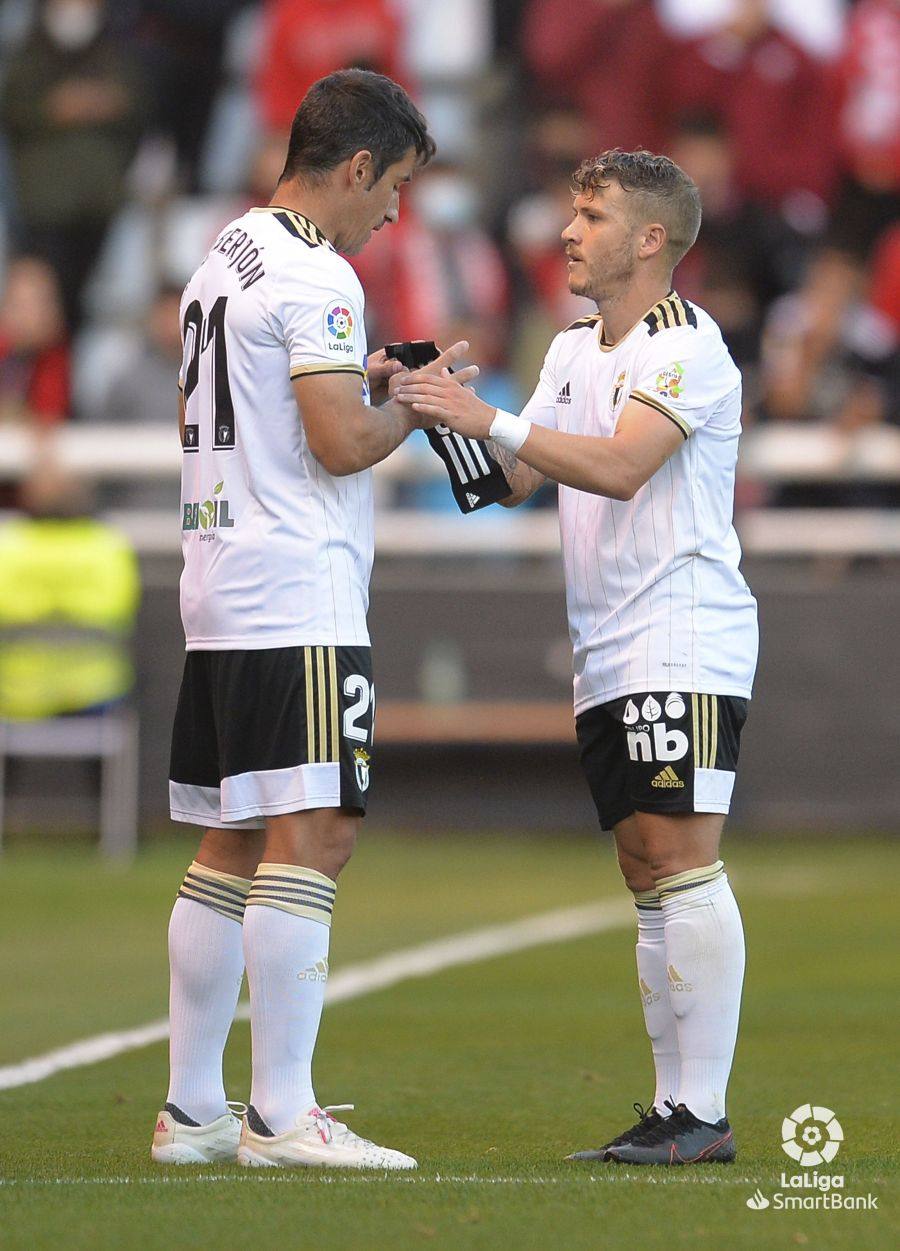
356 980
310 1178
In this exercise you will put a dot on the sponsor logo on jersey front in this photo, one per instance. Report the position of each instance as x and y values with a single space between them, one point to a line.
670 381
208 515
339 329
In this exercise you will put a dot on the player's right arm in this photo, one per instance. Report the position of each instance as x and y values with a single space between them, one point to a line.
346 435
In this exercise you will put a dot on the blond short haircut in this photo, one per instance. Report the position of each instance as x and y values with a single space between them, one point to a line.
663 192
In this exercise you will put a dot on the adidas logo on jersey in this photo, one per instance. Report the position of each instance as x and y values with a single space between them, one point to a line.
668 779
472 499
564 396
317 972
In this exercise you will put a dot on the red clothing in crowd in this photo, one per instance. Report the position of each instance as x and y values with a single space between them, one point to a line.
870 114
778 104
884 293
36 382
304 40
418 282
607 62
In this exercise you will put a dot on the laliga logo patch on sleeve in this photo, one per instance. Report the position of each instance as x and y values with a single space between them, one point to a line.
670 381
338 329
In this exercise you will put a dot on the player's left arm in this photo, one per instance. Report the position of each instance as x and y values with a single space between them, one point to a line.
617 467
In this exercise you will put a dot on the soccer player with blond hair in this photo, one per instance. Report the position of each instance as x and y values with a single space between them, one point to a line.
637 416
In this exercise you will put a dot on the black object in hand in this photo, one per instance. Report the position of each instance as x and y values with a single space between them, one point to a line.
475 477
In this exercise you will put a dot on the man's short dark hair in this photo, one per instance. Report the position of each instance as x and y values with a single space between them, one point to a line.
662 190
347 112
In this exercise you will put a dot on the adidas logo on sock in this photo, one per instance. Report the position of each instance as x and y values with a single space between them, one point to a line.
677 982
472 498
317 972
668 779
564 396
649 996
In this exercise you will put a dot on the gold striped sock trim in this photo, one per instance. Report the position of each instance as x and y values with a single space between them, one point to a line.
647 900
302 892
690 879
223 892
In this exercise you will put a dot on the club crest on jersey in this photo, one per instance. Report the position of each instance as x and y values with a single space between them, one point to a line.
361 760
339 329
618 389
670 381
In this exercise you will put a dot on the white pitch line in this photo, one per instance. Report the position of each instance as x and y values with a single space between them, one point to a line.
356 980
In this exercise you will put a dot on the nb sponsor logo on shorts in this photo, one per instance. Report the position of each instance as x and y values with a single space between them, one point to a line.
649 738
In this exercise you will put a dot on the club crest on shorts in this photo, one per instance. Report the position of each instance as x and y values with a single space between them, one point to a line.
361 760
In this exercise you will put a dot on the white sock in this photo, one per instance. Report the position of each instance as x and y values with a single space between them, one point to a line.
286 933
705 955
654 987
206 964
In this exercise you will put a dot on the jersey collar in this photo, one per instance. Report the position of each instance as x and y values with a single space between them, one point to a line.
296 224
653 314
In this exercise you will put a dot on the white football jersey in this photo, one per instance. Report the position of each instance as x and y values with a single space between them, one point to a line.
656 600
277 552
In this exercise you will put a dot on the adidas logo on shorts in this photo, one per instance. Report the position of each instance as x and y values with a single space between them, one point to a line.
668 779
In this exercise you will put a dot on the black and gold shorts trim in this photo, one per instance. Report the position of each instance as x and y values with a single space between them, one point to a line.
661 751
260 733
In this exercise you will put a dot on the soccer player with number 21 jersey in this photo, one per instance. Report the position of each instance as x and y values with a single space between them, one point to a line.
637 415
283 415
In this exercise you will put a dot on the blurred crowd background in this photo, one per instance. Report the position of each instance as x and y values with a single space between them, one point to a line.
131 131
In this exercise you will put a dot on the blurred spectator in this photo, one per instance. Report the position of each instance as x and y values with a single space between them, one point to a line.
182 44
816 25
745 255
779 106
142 388
869 133
436 269
304 40
34 353
558 142
70 106
607 59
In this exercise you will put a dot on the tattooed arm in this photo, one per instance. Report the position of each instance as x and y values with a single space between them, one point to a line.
523 480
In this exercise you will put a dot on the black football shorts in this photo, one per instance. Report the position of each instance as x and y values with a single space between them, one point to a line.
661 751
259 733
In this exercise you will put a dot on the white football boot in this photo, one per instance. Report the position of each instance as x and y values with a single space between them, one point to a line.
177 1143
317 1141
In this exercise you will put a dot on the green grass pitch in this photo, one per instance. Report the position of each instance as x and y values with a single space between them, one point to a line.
488 1073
